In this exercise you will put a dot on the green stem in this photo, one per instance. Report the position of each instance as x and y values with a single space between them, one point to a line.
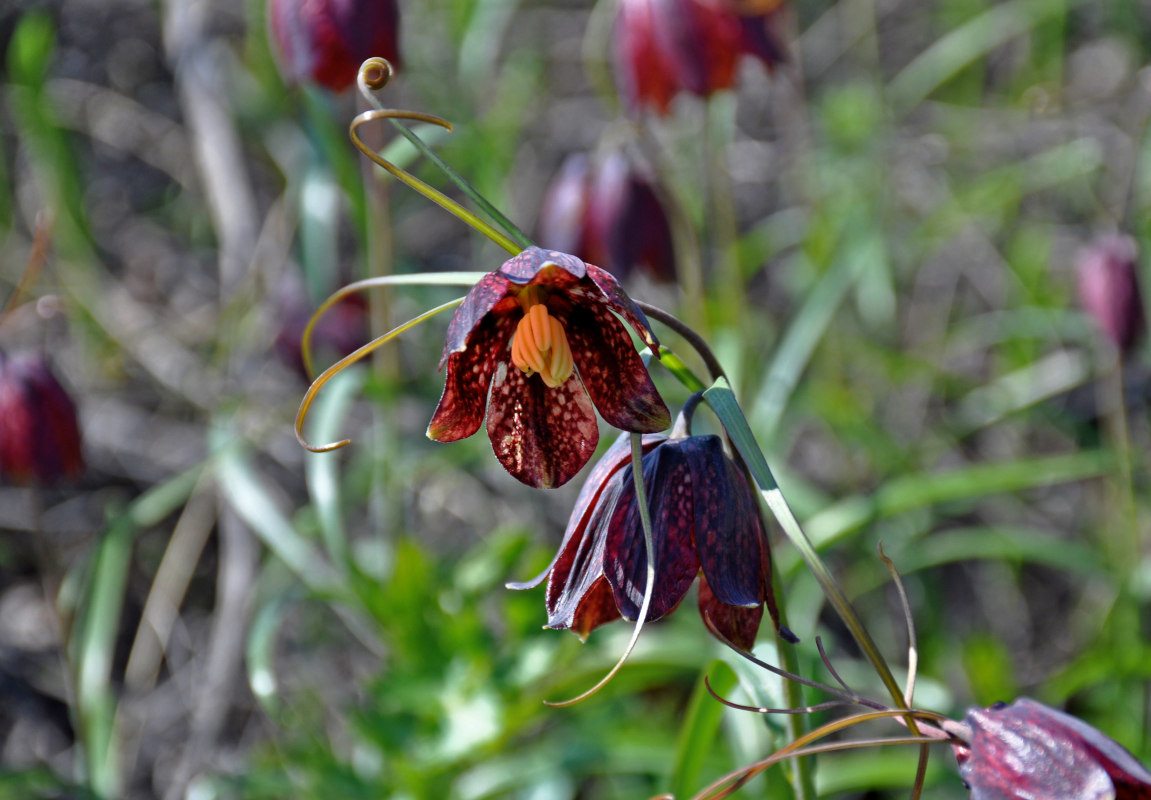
374 75
723 403
500 219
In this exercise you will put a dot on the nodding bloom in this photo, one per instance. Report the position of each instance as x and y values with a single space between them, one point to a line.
1029 751
340 331
1109 289
325 41
39 434
538 347
665 47
705 522
608 213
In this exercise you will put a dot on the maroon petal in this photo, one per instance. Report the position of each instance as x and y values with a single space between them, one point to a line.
1028 750
544 267
644 72
596 607
489 292
667 481
619 302
729 533
598 481
737 624
542 436
580 563
613 372
462 405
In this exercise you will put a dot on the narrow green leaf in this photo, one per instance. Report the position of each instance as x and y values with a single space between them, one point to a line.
700 726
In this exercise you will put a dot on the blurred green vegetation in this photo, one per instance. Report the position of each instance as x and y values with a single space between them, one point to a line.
211 612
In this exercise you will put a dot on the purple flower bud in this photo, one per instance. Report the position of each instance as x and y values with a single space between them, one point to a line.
1029 751
325 41
39 435
665 47
337 333
608 213
1109 289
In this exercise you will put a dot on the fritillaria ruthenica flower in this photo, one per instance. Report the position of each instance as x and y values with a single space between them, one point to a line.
608 213
1109 289
665 47
538 347
705 522
325 41
39 434
1029 751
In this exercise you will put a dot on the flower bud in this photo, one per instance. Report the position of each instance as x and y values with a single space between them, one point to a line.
39 434
325 41
1029 751
609 213
1109 289
665 47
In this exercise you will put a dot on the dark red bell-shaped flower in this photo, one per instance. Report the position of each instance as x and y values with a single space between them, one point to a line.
665 47
608 213
536 345
1029 751
39 434
325 41
1109 289
342 329
705 522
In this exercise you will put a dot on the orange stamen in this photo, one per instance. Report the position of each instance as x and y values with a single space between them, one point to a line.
540 345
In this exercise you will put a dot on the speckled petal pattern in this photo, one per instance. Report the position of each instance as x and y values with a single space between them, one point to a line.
542 436
613 372
488 296
668 482
729 531
461 409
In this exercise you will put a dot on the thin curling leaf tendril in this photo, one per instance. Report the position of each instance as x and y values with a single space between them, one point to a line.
374 74
347 361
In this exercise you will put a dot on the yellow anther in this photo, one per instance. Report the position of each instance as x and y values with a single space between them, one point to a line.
540 345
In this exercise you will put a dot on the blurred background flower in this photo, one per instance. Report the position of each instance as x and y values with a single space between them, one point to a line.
325 41
607 211
39 432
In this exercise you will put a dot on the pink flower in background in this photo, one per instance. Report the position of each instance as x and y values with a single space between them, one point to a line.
39 433
325 41
1109 289
1029 751
608 213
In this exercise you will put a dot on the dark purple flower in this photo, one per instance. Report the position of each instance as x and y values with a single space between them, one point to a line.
608 213
541 333
1109 289
664 47
325 41
705 522
342 329
39 434
1029 751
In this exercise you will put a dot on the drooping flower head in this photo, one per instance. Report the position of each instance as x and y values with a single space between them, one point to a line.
705 522
665 47
39 434
1029 751
608 212
1109 289
325 41
537 346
